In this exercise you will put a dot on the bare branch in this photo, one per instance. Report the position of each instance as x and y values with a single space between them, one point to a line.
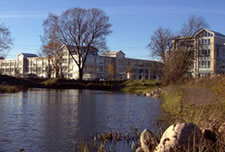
5 40
80 29
193 25
160 42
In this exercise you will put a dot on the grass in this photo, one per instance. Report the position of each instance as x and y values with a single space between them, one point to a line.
195 106
50 82
176 101
140 86
10 89
131 86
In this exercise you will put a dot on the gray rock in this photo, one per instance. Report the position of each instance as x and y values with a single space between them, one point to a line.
148 94
179 138
139 150
148 141
222 129
209 135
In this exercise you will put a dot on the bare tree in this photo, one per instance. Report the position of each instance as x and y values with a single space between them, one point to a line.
193 25
160 42
177 55
51 48
81 29
111 71
179 60
5 40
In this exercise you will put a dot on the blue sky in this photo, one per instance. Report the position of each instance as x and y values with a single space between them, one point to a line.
133 21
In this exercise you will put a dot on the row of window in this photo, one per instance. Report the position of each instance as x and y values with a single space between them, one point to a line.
8 63
204 41
204 64
205 34
204 52
9 70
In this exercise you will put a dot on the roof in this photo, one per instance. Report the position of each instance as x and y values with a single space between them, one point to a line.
27 55
216 33
74 47
182 38
113 52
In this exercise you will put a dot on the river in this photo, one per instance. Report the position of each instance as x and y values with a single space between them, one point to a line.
57 120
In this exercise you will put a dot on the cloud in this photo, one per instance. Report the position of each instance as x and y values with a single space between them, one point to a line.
162 10
17 16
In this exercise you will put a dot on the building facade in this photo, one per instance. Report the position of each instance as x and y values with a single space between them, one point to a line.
209 52
111 65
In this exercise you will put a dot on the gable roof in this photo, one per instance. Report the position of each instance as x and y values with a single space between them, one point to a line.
211 31
218 33
27 55
74 47
113 52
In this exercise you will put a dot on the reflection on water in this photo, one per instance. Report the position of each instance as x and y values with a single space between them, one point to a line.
56 120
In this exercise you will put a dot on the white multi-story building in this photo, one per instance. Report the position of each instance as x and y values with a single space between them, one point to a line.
209 52
109 65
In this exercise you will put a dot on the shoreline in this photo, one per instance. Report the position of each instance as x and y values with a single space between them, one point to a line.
128 86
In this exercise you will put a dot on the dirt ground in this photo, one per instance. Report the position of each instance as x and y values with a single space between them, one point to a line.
199 96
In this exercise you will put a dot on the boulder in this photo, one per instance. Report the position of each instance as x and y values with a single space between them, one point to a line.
148 94
209 135
139 150
148 141
222 129
179 137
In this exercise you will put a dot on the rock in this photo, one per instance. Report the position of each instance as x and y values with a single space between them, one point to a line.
21 150
133 146
156 95
148 94
139 149
117 136
138 94
179 137
222 129
209 135
148 141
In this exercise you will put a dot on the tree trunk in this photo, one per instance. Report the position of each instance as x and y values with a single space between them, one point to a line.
81 74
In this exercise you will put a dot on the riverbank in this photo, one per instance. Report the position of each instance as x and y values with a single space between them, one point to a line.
198 101
128 86
10 84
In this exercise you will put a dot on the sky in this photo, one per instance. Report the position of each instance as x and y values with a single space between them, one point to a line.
133 21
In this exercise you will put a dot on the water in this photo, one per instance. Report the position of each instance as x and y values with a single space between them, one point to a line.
57 120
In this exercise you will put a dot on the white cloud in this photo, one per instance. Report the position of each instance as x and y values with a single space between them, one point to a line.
15 15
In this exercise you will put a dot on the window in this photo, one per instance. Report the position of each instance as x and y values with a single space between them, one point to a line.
204 64
203 33
208 64
217 52
64 60
140 70
140 77
208 52
208 41
205 53
210 35
146 77
71 60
